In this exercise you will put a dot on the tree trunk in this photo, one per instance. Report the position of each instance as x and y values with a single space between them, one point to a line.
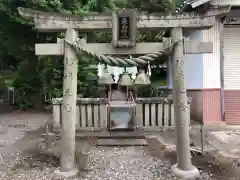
37 84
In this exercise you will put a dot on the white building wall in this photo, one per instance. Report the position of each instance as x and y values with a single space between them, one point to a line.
226 2
193 64
231 57
211 61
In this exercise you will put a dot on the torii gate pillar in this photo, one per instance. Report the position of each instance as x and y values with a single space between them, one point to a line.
67 159
184 167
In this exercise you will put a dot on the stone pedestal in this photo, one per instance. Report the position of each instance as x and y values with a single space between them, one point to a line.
67 174
187 174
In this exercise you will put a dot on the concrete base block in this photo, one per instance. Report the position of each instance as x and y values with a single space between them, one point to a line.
188 174
67 174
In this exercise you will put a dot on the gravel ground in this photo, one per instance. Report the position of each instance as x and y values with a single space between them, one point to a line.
107 163
13 127
20 131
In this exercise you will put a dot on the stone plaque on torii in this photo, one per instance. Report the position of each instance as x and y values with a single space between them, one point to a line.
123 24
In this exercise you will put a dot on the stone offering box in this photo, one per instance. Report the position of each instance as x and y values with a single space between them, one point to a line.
121 115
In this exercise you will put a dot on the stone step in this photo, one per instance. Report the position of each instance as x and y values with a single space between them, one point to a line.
123 135
104 135
121 142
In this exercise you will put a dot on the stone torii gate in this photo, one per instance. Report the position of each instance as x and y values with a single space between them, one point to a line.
122 44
